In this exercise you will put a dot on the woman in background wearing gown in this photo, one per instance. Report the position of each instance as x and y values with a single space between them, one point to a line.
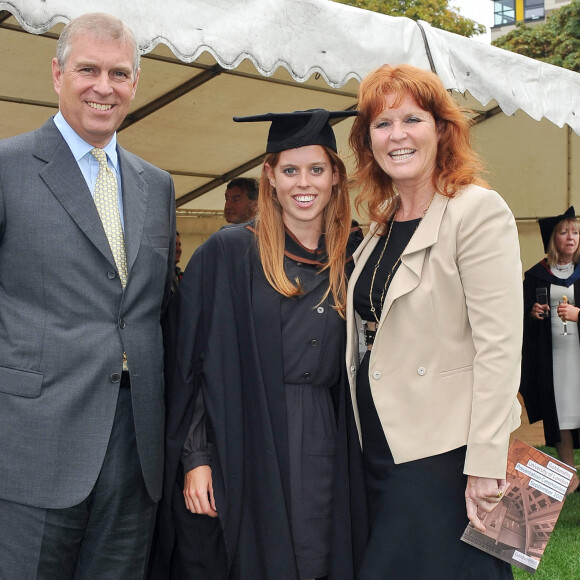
438 283
258 413
550 359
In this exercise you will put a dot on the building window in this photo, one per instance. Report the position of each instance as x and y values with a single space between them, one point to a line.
533 9
504 12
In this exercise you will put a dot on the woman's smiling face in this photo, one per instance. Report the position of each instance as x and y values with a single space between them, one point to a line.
404 140
303 179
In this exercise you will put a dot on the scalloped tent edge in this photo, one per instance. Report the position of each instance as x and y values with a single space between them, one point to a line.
256 56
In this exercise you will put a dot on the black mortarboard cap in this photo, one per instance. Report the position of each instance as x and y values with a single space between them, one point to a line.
548 224
299 129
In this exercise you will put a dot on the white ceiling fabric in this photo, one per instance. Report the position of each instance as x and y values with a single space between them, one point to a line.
320 36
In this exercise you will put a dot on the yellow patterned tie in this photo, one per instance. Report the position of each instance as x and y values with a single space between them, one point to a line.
107 202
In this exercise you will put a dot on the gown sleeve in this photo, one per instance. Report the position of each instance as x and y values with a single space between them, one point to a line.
196 449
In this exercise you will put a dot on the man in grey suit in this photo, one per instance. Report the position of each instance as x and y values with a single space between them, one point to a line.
81 377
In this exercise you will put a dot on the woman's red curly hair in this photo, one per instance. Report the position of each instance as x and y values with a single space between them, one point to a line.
457 164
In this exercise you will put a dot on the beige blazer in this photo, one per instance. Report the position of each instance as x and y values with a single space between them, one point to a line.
445 366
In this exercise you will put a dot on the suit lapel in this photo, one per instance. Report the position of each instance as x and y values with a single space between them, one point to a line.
66 182
408 275
135 197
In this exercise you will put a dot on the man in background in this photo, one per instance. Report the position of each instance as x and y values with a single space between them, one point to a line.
81 359
241 200
177 273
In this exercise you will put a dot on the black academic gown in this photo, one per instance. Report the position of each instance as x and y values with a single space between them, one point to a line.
225 336
537 382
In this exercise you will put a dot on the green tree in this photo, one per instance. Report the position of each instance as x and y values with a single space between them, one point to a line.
438 13
556 41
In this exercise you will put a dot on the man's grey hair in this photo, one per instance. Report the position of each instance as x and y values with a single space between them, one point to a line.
101 26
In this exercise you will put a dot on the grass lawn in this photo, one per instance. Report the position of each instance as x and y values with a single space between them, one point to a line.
561 560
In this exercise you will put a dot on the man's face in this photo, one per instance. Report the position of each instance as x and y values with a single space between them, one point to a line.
238 208
177 249
96 87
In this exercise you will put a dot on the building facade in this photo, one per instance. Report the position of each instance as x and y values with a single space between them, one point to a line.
509 12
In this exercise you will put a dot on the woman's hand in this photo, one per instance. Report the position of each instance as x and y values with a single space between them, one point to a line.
198 491
568 312
482 495
538 310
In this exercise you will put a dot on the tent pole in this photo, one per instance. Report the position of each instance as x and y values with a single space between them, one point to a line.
427 49
569 167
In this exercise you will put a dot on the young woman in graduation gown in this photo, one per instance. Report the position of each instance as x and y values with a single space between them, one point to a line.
259 419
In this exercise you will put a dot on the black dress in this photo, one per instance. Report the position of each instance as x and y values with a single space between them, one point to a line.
312 356
417 509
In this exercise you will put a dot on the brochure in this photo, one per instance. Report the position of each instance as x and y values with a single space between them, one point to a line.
519 528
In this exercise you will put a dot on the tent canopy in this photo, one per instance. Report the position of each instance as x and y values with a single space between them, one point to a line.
205 61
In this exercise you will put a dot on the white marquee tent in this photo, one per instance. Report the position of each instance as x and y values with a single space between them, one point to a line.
207 60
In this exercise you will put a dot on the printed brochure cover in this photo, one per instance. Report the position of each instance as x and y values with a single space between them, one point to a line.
519 528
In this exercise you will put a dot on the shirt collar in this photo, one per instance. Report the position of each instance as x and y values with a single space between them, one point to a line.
79 147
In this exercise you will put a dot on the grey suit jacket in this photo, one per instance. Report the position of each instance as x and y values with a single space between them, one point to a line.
65 324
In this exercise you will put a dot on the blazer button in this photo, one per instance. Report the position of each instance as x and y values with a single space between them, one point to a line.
376 374
115 377
122 323
313 342
306 375
111 274
421 371
320 310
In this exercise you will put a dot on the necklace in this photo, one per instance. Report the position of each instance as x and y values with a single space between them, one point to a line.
376 267
564 267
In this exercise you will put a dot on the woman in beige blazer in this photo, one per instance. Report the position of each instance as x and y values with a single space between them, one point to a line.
437 284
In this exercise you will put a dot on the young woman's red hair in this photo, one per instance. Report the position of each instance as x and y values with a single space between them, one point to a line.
336 229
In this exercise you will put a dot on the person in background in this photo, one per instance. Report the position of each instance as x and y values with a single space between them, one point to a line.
241 200
258 437
81 357
177 250
437 282
550 383
177 272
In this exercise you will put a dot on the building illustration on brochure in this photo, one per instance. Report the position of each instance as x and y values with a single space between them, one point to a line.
518 529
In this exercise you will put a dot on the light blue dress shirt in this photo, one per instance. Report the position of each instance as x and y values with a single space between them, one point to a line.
88 165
